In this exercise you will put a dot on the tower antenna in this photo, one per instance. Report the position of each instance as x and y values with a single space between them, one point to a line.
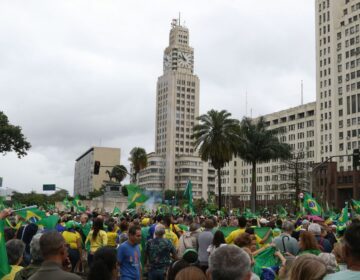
302 93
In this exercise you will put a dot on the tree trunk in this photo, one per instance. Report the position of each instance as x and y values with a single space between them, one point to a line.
253 188
219 186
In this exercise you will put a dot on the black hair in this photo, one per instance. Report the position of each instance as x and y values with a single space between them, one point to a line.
242 221
103 265
218 238
97 226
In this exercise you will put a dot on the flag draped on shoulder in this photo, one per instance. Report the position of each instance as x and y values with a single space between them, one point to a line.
4 264
78 205
136 196
311 205
189 196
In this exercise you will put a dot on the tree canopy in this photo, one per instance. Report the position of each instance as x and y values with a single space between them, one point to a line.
138 159
11 138
258 144
216 138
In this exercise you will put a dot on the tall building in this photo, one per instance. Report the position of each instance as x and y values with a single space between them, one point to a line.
276 179
338 80
177 107
85 180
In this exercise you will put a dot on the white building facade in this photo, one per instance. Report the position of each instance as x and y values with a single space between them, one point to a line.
177 106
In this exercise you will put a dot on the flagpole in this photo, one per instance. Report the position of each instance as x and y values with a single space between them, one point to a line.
25 208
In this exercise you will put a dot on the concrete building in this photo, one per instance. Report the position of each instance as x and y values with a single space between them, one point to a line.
177 106
338 80
276 179
85 180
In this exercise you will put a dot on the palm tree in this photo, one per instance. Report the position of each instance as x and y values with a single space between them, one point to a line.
118 173
216 137
138 159
258 144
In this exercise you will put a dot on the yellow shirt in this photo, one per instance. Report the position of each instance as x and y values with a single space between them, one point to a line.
100 240
172 237
14 270
72 238
232 236
111 236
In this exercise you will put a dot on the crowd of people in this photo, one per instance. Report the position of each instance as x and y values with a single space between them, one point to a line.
161 246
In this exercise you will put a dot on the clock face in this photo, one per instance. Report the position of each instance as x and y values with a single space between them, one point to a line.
167 61
185 59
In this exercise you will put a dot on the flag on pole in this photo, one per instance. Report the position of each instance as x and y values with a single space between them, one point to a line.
78 205
66 203
136 196
311 205
356 205
4 263
189 196
344 217
282 212
31 212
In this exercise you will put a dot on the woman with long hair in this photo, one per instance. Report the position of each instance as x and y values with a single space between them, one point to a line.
218 240
97 238
308 244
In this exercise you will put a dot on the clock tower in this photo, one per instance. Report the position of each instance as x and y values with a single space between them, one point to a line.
177 107
179 56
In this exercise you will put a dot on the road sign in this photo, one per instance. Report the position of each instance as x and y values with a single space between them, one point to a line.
49 187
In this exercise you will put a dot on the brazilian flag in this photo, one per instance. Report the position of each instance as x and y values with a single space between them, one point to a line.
311 205
344 217
116 211
356 206
136 196
32 212
77 203
4 264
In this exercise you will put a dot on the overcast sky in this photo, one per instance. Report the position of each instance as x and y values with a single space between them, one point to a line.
76 74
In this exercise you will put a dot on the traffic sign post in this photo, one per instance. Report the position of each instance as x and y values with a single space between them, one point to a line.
49 187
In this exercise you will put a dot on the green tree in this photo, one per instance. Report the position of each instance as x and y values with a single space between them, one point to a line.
216 137
118 173
138 159
258 144
11 138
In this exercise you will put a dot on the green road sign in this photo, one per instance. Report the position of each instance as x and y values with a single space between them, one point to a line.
49 187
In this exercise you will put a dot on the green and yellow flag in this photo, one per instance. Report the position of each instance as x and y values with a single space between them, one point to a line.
136 196
66 203
49 222
311 205
78 205
4 264
116 211
32 212
189 196
344 217
2 206
356 205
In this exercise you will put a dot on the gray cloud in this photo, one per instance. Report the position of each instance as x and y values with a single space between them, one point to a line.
77 74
